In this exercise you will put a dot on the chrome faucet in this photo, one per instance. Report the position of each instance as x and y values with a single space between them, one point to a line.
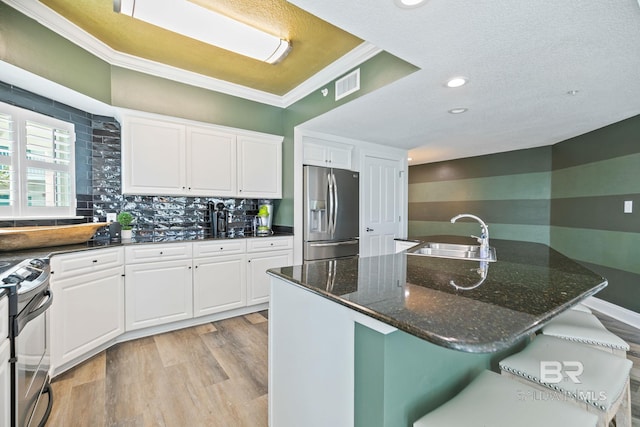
484 236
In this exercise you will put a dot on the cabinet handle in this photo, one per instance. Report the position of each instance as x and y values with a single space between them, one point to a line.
196 266
189 267
222 249
271 244
248 260
95 261
161 252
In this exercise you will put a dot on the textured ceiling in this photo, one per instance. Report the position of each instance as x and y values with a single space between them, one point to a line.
316 43
521 58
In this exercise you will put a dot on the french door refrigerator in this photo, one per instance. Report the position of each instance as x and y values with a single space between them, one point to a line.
331 213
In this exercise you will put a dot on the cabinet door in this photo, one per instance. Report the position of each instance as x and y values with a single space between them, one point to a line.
87 311
258 281
259 168
219 284
339 157
157 293
5 383
211 157
326 154
153 157
314 154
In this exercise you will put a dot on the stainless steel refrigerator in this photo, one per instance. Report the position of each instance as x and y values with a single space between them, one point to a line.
331 213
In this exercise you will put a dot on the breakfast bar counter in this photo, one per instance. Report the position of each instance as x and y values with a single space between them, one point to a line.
380 341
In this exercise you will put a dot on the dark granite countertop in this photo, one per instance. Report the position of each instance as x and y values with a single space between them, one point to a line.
17 256
529 284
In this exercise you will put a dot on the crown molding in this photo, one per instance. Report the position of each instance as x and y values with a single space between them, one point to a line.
65 28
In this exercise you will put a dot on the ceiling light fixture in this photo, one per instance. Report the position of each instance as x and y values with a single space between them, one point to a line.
458 110
191 20
456 82
409 4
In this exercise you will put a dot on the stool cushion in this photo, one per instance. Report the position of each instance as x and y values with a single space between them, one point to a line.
585 328
496 401
601 382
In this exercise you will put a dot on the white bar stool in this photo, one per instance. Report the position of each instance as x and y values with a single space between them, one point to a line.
585 328
596 381
496 401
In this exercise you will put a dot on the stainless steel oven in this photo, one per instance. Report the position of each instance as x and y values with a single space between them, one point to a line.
27 284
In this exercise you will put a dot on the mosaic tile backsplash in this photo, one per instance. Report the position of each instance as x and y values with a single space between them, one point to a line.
99 188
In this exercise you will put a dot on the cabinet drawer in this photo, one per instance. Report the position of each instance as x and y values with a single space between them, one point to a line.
4 315
155 252
219 247
85 262
269 243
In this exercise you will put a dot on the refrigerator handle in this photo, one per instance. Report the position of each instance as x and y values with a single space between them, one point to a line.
335 205
330 210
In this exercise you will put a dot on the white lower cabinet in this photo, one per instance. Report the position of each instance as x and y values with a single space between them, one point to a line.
5 373
98 296
158 293
258 281
88 311
88 303
219 284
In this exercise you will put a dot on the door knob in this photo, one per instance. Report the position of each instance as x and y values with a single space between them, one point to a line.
369 229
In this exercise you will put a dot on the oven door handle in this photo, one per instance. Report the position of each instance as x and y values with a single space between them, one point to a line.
32 314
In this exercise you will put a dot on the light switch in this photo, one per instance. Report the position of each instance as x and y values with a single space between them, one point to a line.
628 206
111 217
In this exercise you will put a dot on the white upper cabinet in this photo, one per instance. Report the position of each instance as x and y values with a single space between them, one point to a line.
174 158
154 157
211 156
322 153
260 167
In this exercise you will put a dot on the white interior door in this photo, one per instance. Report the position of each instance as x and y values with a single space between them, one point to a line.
381 210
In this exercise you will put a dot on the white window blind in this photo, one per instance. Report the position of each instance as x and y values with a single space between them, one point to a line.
36 165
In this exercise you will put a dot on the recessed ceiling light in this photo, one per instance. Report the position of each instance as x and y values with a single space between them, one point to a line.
457 110
456 82
572 92
409 4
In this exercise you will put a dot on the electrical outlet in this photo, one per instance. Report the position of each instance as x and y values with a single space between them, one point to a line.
111 217
628 206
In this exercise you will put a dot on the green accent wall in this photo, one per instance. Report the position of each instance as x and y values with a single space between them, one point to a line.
30 46
569 196
509 191
593 174
143 92
399 377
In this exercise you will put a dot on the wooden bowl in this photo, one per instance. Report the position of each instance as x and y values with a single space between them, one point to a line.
16 238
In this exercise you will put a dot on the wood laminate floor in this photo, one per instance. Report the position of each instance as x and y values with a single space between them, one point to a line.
209 375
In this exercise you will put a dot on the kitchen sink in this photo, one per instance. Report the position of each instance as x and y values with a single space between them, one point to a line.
450 250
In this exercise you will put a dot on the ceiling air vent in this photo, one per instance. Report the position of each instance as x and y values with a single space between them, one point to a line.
348 84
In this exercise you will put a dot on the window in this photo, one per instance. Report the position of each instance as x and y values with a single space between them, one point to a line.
36 165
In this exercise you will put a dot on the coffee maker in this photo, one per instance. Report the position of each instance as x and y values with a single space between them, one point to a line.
218 217
264 218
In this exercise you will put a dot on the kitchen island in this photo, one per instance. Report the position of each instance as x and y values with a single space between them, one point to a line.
381 341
